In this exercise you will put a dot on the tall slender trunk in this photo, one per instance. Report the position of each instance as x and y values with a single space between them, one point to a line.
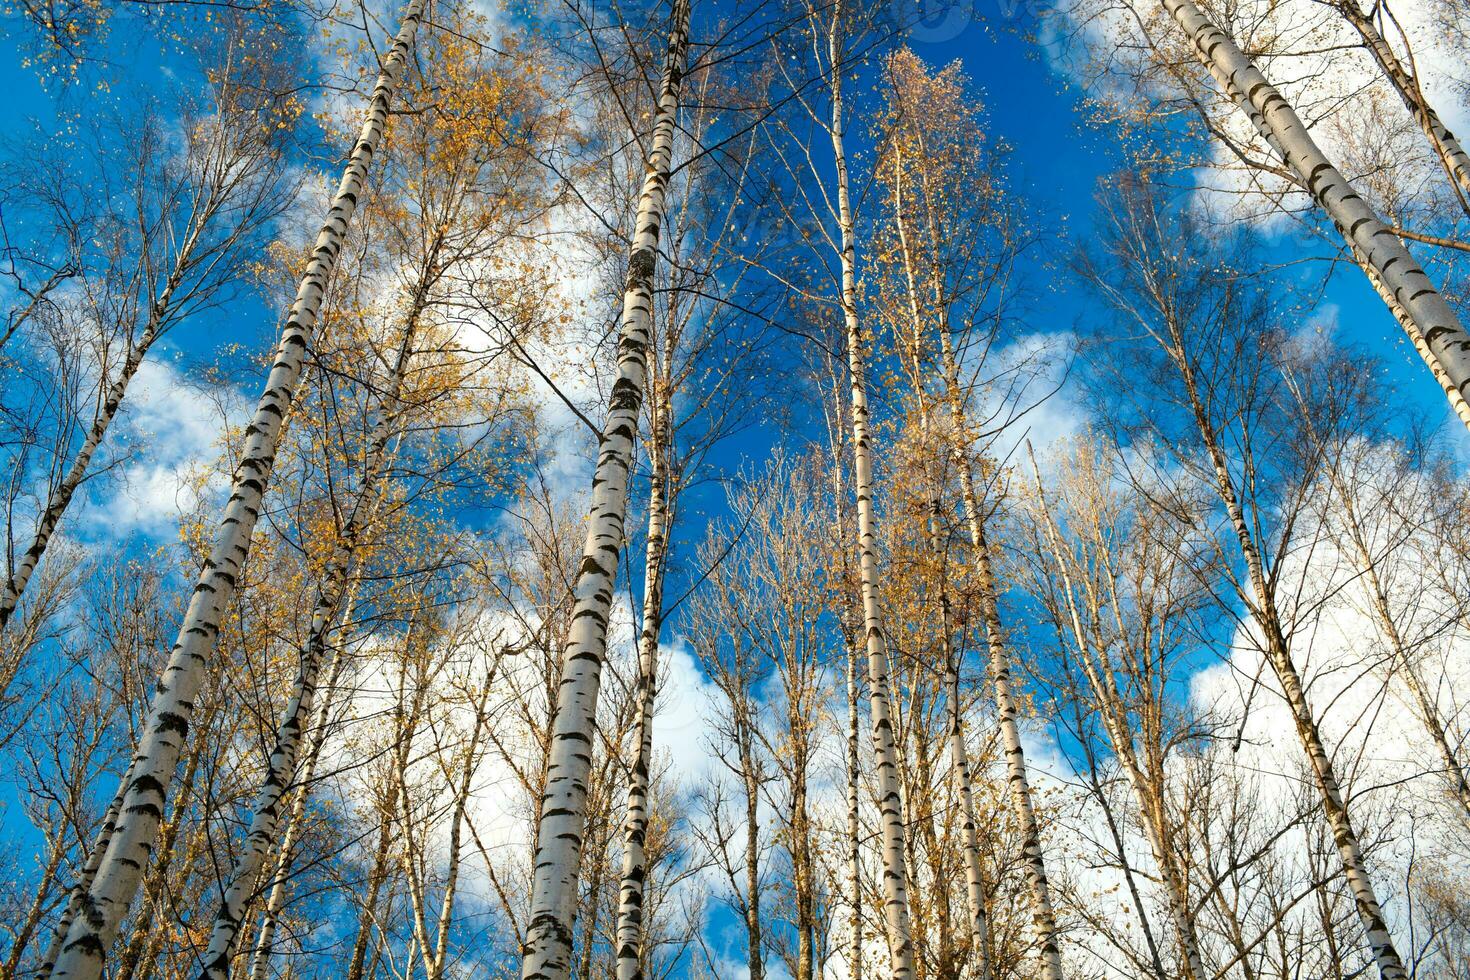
630 937
60 496
1267 616
337 575
1115 722
275 896
1445 339
804 879
885 749
754 937
1378 594
1411 329
548 947
17 318
1454 770
92 933
975 886
1043 915
377 877
26 928
1452 156
139 953
84 883
437 957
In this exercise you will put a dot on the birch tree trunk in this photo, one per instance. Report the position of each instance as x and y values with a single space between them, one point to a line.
959 754
1445 339
1416 337
547 954
84 882
1454 772
275 896
377 878
337 575
1115 722
1378 595
635 824
106 903
60 497
1043 915
854 825
885 749
751 780
1452 156
36 299
436 955
1267 616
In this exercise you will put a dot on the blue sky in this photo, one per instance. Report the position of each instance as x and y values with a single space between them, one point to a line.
1057 162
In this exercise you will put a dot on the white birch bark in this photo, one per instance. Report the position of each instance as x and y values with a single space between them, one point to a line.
261 837
1278 651
548 945
1115 723
635 823
1444 338
18 318
1378 594
130 847
1451 155
885 749
1454 772
960 760
83 883
59 499
1043 914
275 896
1411 329
854 825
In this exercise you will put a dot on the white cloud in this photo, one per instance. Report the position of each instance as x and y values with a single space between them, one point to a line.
167 433
1033 394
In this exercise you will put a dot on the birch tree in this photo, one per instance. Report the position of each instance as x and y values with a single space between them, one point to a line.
548 942
90 936
1125 614
1441 338
1200 333
171 255
953 251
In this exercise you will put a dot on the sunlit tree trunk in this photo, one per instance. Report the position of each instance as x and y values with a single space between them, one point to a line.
1116 723
138 956
1454 771
1451 155
130 845
854 824
630 952
1043 914
1278 651
959 754
60 496
548 945
885 748
1444 337
1411 329
337 576
751 779
83 884
275 896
